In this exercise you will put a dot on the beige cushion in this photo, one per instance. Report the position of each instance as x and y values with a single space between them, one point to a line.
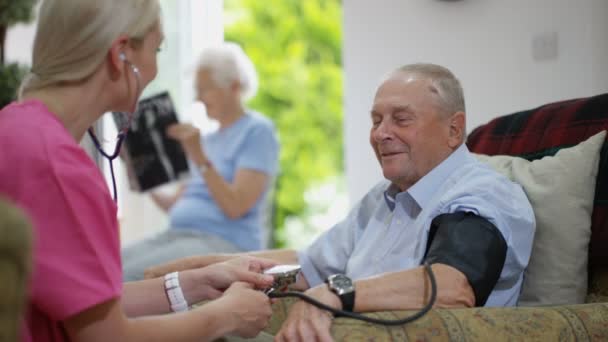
561 190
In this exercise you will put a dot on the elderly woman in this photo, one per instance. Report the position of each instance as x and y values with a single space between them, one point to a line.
221 207
91 57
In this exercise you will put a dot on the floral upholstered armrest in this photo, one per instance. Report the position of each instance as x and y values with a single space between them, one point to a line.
557 323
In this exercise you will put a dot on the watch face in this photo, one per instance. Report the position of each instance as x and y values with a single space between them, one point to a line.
340 283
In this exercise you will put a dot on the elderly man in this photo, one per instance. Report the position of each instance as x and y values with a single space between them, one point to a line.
439 205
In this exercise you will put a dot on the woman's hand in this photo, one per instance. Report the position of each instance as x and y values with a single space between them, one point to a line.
182 264
254 264
190 139
250 309
210 282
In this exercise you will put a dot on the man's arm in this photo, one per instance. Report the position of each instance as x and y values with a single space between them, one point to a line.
411 289
405 290
401 290
467 254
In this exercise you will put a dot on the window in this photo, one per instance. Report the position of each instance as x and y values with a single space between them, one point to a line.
189 26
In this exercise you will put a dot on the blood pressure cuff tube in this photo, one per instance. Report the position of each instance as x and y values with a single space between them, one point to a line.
470 244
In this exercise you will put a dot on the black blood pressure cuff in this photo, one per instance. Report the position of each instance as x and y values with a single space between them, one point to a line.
470 244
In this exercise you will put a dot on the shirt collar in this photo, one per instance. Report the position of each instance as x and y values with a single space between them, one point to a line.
390 194
423 190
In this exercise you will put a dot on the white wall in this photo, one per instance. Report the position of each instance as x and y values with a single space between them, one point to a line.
19 42
486 43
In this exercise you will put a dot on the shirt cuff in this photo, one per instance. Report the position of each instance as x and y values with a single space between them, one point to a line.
308 270
265 168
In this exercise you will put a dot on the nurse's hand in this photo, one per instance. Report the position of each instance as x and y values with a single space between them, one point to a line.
211 281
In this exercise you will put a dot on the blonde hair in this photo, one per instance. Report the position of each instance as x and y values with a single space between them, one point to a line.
74 36
15 267
228 63
443 83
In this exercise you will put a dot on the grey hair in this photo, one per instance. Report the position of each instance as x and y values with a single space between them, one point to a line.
228 63
73 37
443 83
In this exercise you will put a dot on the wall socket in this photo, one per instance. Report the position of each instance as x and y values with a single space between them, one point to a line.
545 46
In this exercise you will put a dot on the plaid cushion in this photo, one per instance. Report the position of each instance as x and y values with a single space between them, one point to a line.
539 132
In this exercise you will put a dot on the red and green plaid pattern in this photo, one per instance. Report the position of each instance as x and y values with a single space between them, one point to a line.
539 132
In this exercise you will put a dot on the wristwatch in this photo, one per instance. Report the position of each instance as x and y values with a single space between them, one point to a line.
343 287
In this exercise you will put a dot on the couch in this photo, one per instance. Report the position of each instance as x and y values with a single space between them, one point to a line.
532 135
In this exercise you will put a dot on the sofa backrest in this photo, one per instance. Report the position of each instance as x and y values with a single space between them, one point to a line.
535 133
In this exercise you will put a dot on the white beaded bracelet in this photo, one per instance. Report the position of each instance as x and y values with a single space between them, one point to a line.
174 293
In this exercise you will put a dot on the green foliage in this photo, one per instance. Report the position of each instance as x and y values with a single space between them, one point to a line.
12 12
16 11
10 78
296 47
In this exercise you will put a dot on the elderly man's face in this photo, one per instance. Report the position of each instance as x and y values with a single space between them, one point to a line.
409 134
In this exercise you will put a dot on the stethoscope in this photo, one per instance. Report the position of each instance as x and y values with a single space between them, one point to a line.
123 131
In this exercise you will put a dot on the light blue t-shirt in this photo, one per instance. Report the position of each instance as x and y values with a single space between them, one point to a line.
249 143
387 230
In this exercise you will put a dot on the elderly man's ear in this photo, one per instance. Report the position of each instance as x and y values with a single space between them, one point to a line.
457 129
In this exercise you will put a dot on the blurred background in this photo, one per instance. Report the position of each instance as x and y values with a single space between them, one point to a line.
319 62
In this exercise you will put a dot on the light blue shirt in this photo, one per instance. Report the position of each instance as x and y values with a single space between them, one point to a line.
387 230
250 143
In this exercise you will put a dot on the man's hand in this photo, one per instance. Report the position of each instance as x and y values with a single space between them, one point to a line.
211 281
250 309
306 322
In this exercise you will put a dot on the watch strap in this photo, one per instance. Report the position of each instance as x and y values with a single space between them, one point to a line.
347 298
348 301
